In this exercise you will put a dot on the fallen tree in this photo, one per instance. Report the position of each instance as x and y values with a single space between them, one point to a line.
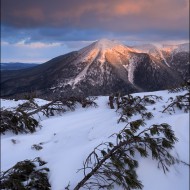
21 120
111 164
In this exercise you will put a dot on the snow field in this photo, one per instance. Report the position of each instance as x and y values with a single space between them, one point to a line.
68 139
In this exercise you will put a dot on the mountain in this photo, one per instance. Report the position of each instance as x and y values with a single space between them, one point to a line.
174 56
16 66
104 67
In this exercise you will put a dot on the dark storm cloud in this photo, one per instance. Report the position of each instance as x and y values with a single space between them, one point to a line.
56 20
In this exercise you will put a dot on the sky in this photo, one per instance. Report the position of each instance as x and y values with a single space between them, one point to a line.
39 30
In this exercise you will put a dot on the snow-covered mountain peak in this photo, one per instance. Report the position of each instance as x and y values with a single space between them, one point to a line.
105 44
97 51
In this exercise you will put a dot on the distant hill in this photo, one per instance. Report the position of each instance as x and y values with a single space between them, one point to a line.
16 66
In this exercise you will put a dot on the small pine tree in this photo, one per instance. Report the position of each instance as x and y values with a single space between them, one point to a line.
111 164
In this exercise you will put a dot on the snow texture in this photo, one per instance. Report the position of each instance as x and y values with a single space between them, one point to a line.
131 68
68 139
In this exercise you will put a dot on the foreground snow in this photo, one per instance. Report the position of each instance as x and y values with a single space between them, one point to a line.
68 139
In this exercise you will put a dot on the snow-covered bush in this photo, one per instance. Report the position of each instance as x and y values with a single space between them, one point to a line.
129 106
17 122
181 102
21 119
26 175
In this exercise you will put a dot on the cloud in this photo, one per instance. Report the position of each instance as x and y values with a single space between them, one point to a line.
36 45
48 26
35 52
107 15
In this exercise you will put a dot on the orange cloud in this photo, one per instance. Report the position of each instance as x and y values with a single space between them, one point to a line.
126 9
102 14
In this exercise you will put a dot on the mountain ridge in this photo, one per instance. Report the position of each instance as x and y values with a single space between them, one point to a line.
103 67
16 65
